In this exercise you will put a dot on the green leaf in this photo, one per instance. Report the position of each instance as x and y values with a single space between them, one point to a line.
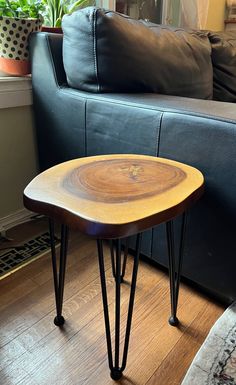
21 8
58 22
81 4
56 9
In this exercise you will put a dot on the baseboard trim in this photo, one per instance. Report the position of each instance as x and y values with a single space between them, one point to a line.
14 219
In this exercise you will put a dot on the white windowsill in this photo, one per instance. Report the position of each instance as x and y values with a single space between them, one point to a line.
15 91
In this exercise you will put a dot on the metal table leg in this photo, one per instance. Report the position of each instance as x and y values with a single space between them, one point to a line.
114 365
59 276
126 249
173 273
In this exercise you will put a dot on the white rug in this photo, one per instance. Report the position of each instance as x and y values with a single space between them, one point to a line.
215 362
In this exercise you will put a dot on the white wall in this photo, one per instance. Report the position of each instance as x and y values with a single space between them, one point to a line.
216 15
18 156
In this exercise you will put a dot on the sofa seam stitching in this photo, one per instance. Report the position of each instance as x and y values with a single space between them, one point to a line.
157 153
85 128
95 48
159 135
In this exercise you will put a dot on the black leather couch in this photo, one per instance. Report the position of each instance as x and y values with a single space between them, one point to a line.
74 123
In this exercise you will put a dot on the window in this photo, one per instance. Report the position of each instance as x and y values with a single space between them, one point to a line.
150 10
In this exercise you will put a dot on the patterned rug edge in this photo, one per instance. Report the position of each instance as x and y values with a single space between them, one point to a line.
32 246
215 362
23 264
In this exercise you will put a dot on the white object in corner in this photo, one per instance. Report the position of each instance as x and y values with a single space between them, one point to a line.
166 15
194 13
14 219
15 91
106 4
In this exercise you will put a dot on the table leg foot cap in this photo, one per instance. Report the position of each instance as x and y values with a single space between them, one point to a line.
116 374
59 320
173 321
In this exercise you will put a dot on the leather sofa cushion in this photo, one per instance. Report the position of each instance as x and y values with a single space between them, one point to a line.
104 51
224 65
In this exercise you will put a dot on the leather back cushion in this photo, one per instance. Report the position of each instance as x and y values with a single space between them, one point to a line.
224 65
104 51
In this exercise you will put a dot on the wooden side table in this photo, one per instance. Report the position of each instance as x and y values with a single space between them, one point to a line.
113 197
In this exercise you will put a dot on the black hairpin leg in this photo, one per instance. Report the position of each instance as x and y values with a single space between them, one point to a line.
175 274
112 246
116 369
59 277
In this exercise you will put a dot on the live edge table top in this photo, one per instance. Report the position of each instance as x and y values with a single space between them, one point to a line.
111 196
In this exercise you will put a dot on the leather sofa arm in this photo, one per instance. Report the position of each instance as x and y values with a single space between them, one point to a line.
46 59
59 117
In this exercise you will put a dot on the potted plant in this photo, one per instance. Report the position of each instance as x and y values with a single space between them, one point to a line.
18 19
56 9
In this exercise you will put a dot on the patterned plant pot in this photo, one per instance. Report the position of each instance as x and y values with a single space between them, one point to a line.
14 49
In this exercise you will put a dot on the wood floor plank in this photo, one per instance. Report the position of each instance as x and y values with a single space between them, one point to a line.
182 354
41 301
33 351
152 340
81 317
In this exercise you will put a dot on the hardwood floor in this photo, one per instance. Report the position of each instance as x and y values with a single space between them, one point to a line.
35 352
